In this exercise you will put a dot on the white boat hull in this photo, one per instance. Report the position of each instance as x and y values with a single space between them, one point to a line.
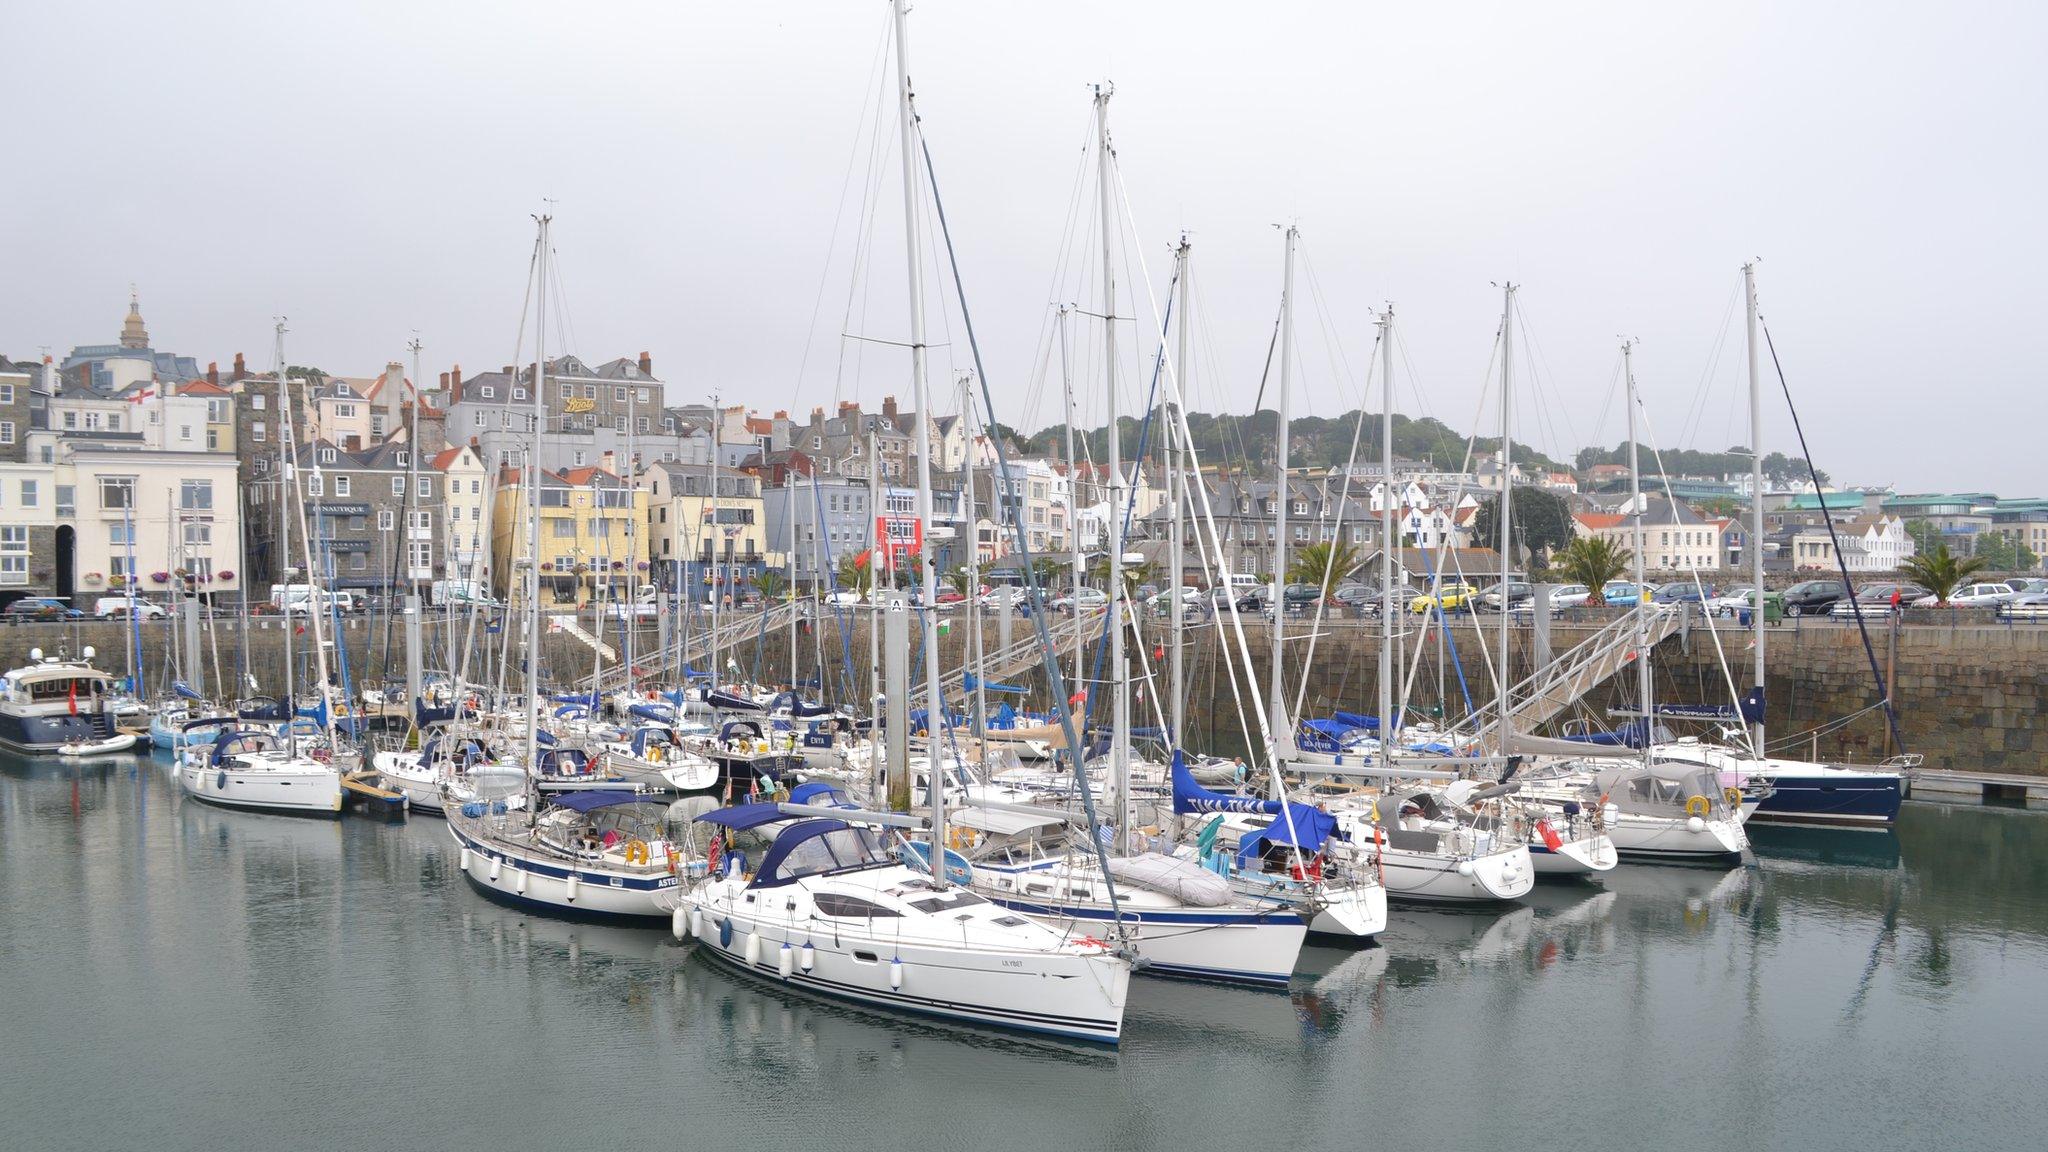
1442 879
314 790
1587 856
544 884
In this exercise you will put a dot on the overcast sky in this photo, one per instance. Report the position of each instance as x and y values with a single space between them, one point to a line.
369 170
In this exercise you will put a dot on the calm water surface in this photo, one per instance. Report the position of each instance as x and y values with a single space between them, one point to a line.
177 977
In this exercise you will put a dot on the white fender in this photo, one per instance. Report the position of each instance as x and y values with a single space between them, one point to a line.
519 880
753 949
808 957
896 974
785 961
575 886
465 857
677 922
496 866
696 922
1695 825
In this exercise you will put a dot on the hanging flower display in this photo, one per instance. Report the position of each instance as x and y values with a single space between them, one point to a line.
224 574
160 577
583 569
117 581
93 578
642 565
618 565
547 565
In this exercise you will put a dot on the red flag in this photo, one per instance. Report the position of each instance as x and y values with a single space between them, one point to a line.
74 697
1551 839
714 852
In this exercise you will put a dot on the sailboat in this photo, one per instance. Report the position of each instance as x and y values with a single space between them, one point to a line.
256 768
1783 789
842 915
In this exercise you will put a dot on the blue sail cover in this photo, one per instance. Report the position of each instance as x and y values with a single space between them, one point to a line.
1190 797
587 699
659 713
184 691
591 801
728 701
740 816
972 682
1302 826
1359 720
797 706
818 792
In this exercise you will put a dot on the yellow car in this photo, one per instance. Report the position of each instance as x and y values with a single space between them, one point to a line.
1449 597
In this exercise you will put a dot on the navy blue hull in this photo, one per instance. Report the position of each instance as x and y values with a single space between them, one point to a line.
1860 800
47 734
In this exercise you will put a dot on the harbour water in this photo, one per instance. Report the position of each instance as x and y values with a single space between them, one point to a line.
179 977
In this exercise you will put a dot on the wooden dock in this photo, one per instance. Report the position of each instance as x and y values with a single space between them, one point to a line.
1942 785
361 790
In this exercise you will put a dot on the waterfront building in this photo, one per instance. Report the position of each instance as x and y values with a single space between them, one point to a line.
592 535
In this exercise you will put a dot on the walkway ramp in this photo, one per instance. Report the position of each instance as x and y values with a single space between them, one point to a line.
1544 696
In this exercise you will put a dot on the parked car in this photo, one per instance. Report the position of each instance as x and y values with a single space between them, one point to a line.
840 596
1684 592
1622 593
1501 597
1089 600
950 596
1449 597
116 608
1876 600
1570 596
1194 604
40 608
1812 597
1735 599
1010 596
1295 597
1971 596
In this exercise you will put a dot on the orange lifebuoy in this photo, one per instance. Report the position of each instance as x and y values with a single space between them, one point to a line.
636 852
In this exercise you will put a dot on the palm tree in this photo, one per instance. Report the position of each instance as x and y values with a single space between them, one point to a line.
1593 561
1050 570
957 579
1324 565
771 584
857 573
1134 574
1941 572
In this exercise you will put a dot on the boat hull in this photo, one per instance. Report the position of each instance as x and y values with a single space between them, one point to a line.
1428 878
537 885
1073 996
1835 797
1588 856
289 793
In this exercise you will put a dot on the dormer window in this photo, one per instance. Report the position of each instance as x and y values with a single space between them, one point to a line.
327 455
519 393
403 459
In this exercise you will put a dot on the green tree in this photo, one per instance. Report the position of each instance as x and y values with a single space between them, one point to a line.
1134 574
771 584
857 573
1593 561
1926 537
1543 523
2027 559
1941 571
1997 551
960 580
1052 572
1324 565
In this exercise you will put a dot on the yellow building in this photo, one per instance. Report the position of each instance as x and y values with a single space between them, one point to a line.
592 536
700 542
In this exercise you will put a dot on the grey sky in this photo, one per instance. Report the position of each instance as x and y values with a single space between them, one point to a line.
369 170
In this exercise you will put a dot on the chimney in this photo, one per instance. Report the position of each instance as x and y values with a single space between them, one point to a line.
889 407
782 414
818 412
608 461
213 372
646 364
508 369
241 370
444 381
846 406
455 377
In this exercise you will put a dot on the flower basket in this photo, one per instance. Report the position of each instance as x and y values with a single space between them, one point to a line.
160 577
224 574
642 565
547 565
117 581
618 565
93 578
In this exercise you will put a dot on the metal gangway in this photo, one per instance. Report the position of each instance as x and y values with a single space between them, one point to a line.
1550 690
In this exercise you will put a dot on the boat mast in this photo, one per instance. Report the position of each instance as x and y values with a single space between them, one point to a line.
1507 490
412 485
968 520
928 568
714 534
1756 513
869 602
630 618
1283 731
1175 683
1635 493
533 471
1387 549
289 473
1073 504
1120 721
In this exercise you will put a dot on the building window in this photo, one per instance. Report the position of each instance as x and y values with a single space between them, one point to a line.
327 455
14 554
386 519
358 561
579 458
422 554
198 532
590 391
398 485
487 392
313 485
426 488
67 500
117 491
342 486
423 521
519 393
479 419
6 431
213 439
258 401
563 527
29 495
6 393
70 420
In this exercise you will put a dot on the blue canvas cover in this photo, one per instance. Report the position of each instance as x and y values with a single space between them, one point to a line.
1302 826
740 816
592 801
1190 797
1359 720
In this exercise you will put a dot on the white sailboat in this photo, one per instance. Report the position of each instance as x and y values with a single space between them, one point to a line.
840 915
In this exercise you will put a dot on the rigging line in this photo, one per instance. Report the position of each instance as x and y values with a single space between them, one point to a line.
565 325
862 254
839 213
1703 389
1048 653
1891 716
1047 323
1539 369
1333 344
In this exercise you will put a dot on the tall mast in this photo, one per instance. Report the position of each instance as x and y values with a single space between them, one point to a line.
1073 498
288 468
1388 551
928 568
714 534
1175 684
874 604
1756 511
631 474
972 527
1120 721
533 471
412 486
1635 492
1507 487
1283 731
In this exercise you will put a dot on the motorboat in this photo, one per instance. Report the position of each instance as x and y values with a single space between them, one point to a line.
1666 810
654 756
58 706
1566 838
